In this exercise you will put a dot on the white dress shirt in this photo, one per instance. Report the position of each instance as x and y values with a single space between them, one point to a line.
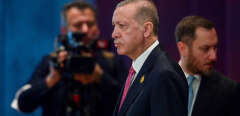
195 86
137 64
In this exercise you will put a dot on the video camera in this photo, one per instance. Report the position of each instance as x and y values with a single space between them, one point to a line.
76 62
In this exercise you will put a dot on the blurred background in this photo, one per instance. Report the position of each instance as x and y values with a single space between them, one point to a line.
28 29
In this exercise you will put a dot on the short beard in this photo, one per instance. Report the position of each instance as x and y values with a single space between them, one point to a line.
192 65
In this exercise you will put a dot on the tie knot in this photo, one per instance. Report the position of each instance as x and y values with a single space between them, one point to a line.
190 79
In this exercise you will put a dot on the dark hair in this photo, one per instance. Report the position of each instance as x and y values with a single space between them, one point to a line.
81 5
186 28
146 12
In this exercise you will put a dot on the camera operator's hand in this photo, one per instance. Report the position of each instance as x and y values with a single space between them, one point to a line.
90 78
54 75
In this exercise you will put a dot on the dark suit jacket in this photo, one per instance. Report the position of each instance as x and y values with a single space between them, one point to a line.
162 93
215 96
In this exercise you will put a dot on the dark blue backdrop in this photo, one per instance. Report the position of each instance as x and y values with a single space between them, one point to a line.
27 32
28 28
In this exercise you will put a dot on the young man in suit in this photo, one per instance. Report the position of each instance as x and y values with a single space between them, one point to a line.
210 92
155 85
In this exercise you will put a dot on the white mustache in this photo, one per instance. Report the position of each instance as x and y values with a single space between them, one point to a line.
116 41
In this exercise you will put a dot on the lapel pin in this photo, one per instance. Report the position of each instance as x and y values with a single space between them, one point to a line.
142 79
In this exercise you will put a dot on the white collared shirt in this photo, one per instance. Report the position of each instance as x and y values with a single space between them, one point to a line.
195 86
137 64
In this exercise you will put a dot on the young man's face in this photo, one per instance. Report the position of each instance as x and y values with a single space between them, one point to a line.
201 55
127 33
82 21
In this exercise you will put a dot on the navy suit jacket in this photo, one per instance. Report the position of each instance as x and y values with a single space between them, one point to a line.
216 96
160 89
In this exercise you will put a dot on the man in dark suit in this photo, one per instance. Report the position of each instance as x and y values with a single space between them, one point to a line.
60 91
210 92
155 85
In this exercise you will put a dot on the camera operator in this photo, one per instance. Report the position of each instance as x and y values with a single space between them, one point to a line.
63 93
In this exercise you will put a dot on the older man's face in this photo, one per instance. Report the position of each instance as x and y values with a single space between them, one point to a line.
127 33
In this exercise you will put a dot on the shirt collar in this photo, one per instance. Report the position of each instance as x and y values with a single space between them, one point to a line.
137 64
198 77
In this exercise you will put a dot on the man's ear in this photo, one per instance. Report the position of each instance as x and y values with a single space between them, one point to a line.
148 29
182 48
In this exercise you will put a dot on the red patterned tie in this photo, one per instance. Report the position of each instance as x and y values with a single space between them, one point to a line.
127 85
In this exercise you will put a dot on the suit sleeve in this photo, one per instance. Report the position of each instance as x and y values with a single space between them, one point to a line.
33 93
169 95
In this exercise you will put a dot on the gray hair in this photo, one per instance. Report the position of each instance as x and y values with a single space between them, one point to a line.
147 11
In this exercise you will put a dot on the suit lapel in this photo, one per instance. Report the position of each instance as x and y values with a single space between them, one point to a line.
133 92
137 85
